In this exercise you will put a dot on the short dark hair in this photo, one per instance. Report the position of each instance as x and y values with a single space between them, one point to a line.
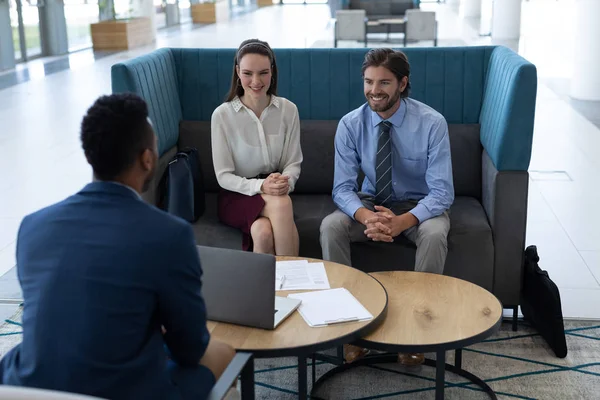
252 46
394 60
114 132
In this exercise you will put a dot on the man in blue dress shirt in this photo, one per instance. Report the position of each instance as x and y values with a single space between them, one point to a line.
112 285
402 147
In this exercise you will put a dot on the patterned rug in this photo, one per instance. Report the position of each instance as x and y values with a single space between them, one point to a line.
517 365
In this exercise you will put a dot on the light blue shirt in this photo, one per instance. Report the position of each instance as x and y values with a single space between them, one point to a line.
421 163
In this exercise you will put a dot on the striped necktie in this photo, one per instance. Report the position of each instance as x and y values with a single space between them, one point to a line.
383 165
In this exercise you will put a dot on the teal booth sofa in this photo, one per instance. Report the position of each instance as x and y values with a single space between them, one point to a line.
487 95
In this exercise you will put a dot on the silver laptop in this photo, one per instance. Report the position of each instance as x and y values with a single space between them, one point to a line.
239 287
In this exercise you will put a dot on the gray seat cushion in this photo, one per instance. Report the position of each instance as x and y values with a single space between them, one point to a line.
309 211
209 231
470 247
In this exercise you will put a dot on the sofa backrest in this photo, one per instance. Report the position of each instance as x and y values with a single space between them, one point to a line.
317 141
325 84
153 76
383 8
487 85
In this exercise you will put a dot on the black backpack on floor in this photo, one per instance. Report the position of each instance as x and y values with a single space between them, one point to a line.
541 305
181 188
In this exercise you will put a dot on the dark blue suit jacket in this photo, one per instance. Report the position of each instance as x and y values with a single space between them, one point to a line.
101 272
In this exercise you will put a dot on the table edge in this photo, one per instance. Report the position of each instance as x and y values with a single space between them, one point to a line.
433 347
314 347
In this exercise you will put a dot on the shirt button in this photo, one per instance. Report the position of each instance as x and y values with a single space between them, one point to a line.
394 183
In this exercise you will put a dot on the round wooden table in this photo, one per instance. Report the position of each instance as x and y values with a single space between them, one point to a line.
294 337
429 313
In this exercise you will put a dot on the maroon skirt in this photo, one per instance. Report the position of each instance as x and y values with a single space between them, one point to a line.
240 211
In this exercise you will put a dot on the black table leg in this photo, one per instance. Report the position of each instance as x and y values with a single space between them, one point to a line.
440 374
302 379
439 364
314 372
458 358
247 378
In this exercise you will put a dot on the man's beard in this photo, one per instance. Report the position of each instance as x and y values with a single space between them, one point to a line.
386 106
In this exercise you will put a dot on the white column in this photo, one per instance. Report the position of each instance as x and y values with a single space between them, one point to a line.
7 50
485 20
585 82
145 8
469 8
53 28
506 19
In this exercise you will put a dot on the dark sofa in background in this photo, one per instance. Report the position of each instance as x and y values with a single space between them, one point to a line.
487 95
378 9
384 9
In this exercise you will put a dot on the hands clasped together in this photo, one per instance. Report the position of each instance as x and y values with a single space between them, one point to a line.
276 184
383 225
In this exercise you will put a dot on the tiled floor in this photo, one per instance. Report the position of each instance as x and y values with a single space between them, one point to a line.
7 311
42 162
40 68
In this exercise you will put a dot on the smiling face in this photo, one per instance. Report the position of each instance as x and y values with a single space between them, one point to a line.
382 90
254 71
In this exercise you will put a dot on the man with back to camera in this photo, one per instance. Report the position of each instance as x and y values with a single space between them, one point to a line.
104 274
402 147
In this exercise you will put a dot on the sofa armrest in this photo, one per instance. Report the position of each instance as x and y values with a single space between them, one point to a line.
242 364
504 198
508 110
507 117
153 77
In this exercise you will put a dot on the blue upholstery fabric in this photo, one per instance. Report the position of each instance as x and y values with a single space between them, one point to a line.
492 86
204 77
326 83
153 77
508 110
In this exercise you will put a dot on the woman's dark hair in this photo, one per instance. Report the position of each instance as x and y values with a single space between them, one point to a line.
394 60
114 132
252 46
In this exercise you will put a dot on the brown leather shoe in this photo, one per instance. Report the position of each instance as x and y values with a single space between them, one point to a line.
411 359
353 353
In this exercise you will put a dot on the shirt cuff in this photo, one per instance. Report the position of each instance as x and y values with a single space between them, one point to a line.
421 213
352 207
258 185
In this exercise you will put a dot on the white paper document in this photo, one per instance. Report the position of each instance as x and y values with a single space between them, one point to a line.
327 307
300 275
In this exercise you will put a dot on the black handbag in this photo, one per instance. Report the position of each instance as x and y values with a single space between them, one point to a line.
540 303
181 189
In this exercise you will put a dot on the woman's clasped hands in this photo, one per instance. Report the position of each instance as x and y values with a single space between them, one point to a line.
276 184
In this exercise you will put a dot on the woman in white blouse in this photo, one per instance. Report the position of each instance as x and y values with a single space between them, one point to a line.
256 154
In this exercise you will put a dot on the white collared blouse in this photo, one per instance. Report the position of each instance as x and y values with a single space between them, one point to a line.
244 146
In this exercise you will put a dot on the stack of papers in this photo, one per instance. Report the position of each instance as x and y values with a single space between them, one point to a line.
300 275
327 307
